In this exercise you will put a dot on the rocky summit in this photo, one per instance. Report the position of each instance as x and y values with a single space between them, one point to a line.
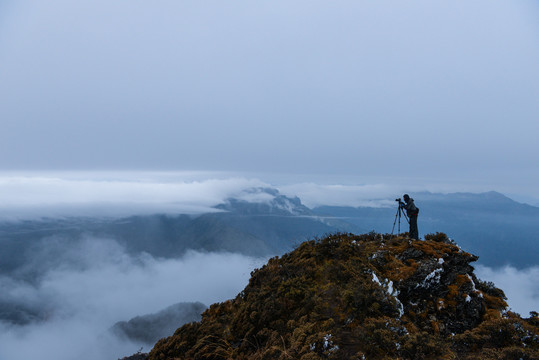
361 297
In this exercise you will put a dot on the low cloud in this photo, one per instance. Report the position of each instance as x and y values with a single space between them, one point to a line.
98 284
520 286
116 194
377 195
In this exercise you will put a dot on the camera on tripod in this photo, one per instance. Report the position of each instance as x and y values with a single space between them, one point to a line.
400 212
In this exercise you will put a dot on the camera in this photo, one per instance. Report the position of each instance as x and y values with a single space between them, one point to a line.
399 200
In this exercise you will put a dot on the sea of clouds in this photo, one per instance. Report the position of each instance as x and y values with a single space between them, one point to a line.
520 286
31 196
95 284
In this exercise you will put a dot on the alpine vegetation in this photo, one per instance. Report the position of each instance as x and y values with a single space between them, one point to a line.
361 297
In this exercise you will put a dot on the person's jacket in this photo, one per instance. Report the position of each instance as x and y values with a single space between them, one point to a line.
411 209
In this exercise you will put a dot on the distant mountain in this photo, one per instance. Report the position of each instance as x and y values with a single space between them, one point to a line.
258 228
501 231
361 297
275 204
147 329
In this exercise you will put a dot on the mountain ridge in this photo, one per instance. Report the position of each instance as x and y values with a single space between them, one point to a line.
371 296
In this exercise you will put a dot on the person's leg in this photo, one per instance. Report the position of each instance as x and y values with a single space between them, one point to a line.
414 233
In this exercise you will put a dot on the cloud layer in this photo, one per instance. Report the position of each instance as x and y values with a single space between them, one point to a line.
97 284
520 286
56 194
116 194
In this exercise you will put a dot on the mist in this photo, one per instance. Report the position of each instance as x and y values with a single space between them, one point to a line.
520 286
116 194
96 284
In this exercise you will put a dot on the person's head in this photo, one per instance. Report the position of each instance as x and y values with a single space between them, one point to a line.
406 197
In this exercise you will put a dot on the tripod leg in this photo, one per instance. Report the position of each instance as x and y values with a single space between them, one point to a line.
395 221
399 220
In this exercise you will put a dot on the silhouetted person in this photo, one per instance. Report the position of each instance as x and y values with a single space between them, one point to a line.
412 211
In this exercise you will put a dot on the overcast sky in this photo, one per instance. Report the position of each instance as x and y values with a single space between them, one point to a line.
417 89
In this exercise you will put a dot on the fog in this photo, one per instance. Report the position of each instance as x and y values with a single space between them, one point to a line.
520 286
116 194
96 284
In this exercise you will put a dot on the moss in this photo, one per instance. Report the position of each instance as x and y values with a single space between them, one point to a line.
495 302
500 338
320 302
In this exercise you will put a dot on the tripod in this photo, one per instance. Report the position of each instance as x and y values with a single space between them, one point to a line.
400 212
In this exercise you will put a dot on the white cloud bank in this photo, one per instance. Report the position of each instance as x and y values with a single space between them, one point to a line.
57 194
116 194
376 195
520 286
104 285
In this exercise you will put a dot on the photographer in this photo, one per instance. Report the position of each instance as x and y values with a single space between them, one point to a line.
412 211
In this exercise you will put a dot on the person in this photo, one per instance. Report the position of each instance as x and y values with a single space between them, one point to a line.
412 211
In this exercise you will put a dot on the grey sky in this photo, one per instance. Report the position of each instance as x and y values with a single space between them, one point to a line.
361 88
